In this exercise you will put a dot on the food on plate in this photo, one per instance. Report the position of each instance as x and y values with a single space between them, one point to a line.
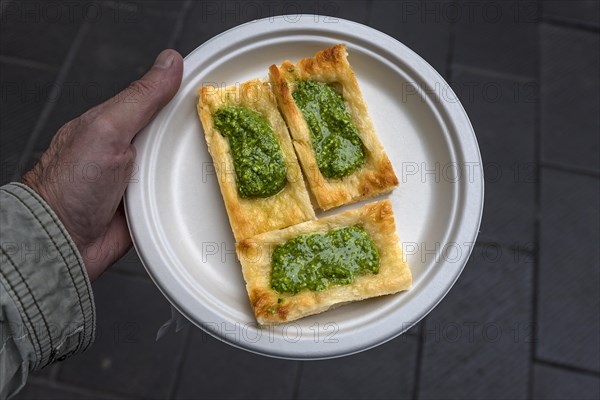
257 169
293 265
308 268
341 156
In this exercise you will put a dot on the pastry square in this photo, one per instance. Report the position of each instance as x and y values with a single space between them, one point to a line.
257 256
330 67
250 215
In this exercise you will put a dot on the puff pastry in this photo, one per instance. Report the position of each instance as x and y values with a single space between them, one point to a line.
271 307
251 216
331 66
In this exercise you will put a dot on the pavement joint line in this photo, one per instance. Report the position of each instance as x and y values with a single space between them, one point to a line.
55 371
506 76
451 45
567 367
81 391
179 24
511 248
297 379
22 62
49 106
420 356
570 169
369 12
410 332
578 25
129 274
180 361
150 11
537 149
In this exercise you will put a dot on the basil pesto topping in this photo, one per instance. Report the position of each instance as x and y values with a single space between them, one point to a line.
334 136
258 161
317 261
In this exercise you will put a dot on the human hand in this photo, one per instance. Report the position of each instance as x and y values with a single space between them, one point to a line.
89 200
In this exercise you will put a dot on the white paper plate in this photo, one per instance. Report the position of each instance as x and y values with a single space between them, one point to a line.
180 228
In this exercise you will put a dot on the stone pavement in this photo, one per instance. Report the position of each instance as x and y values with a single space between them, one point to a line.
523 320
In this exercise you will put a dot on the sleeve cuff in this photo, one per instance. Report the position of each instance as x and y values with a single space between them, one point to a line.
44 274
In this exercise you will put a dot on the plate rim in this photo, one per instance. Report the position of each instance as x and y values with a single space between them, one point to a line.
139 228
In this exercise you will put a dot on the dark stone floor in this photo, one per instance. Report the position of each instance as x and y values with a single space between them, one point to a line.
523 320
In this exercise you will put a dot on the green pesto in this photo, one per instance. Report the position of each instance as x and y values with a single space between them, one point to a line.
258 161
335 139
318 261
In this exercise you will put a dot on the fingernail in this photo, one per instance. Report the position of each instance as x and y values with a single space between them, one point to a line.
164 60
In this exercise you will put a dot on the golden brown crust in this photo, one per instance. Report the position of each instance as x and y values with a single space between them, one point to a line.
331 66
394 275
249 217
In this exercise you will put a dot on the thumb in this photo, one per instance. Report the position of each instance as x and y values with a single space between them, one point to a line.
129 111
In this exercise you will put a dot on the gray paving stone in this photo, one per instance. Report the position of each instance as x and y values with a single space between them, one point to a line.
503 116
41 390
171 7
578 11
115 51
207 18
385 372
48 372
478 339
215 370
354 10
125 358
41 31
496 35
569 301
552 383
416 329
570 122
130 263
23 93
422 26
